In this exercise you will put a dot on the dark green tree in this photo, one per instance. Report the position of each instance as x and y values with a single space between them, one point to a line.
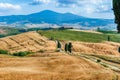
116 9
70 47
66 47
119 49
59 46
108 38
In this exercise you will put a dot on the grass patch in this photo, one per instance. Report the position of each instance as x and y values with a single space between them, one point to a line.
108 58
80 36
107 32
74 35
4 52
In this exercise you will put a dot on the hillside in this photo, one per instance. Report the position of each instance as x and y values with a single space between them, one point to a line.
52 17
83 36
53 66
86 42
30 41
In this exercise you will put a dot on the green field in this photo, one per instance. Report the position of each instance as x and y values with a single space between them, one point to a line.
79 36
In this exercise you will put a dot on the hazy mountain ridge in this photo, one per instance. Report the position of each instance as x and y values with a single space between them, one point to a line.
52 17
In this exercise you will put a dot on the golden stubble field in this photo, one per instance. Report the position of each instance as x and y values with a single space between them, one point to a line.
52 66
32 41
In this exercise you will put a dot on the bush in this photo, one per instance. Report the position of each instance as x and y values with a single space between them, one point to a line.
98 60
4 52
41 51
57 50
21 54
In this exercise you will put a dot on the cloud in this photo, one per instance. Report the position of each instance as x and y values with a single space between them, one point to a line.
90 6
66 3
39 2
97 6
8 6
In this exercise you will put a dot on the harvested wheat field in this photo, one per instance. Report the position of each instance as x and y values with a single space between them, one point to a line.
30 41
52 66
103 48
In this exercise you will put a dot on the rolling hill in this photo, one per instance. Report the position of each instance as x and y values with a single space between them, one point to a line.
32 41
52 65
52 17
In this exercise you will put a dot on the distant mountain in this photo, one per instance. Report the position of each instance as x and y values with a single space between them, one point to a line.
48 16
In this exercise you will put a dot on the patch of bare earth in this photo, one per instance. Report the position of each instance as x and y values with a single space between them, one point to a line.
89 31
2 31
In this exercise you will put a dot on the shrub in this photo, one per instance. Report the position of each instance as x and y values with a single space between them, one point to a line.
51 38
41 51
98 60
57 50
21 54
3 52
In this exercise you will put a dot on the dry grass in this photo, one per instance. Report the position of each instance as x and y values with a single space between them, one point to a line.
104 48
30 41
55 66
52 65
89 31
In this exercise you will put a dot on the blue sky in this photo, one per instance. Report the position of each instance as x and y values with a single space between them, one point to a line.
87 8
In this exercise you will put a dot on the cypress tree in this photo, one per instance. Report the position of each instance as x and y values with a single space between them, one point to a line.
70 47
66 47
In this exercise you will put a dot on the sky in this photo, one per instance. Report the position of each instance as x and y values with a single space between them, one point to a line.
87 8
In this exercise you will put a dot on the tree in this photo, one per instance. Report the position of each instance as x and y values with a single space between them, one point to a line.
119 49
116 9
66 47
108 38
59 45
70 47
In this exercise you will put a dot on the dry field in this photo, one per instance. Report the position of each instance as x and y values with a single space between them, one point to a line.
104 48
32 41
52 66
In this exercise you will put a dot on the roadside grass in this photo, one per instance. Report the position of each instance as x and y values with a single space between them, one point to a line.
106 58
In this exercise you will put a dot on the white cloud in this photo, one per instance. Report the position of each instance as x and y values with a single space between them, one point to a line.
43 1
8 6
38 2
99 6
